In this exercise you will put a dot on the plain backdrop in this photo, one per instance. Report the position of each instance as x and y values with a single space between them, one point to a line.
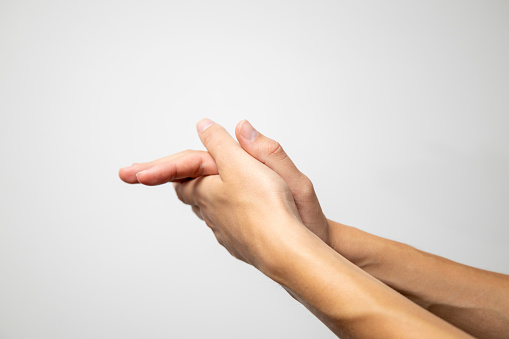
397 110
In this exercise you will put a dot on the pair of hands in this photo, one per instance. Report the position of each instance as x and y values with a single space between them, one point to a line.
264 211
249 192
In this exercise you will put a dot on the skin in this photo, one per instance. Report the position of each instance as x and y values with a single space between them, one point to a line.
264 211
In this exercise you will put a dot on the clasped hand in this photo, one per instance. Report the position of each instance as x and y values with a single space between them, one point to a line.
249 193
264 211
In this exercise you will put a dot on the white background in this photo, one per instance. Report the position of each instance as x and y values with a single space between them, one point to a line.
397 110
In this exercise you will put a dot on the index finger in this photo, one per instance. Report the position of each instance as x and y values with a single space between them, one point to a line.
221 145
190 165
186 164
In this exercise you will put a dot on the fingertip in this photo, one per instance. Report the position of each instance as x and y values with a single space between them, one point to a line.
126 176
121 174
239 124
203 124
151 177
237 130
139 177
247 131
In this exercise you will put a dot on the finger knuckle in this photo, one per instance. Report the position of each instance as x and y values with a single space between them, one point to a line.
275 150
197 211
200 201
198 198
217 235
305 186
178 191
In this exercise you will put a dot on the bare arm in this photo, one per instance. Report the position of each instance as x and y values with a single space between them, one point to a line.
475 300
253 215
349 301
472 299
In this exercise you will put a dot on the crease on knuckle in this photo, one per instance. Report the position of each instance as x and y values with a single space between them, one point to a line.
275 150
198 198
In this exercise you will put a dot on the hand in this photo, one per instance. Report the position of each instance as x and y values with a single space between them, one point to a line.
271 153
193 164
252 211
249 207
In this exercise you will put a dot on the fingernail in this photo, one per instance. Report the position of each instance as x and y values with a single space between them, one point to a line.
204 124
139 173
247 131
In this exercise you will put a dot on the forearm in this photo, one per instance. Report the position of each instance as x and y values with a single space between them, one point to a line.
349 301
474 300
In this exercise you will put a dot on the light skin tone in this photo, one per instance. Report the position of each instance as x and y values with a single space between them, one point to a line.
265 212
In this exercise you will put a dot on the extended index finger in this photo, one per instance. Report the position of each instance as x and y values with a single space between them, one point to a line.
191 165
187 164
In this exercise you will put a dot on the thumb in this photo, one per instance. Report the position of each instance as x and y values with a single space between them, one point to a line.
269 152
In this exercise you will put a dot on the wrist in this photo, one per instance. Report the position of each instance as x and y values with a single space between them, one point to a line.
363 249
275 253
357 246
325 282
346 298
